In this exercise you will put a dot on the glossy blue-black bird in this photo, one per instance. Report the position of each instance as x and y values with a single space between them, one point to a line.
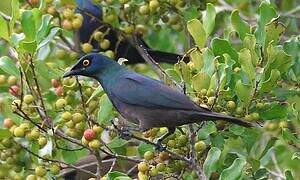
143 100
92 20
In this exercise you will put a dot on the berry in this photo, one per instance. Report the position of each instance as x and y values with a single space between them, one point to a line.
248 117
144 9
160 167
78 16
98 35
14 90
97 129
110 54
2 79
143 167
129 29
89 134
12 80
31 177
153 172
60 103
68 13
8 123
40 171
149 155
59 91
55 83
164 155
48 1
94 144
77 117
104 44
211 100
60 53
28 99
51 10
254 116
34 2
35 133
84 141
66 116
87 47
260 106
66 24
200 146
239 110
73 55
142 176
153 5
283 124
76 23
42 141
231 105
54 169
19 132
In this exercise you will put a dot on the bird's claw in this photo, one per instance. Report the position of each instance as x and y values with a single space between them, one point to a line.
160 147
125 134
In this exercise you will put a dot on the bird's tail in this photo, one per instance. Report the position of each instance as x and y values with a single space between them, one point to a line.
165 57
219 116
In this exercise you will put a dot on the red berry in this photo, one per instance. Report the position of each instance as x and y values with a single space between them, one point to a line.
89 134
59 91
14 90
8 123
55 83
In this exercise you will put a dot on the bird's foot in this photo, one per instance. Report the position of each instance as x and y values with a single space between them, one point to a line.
159 146
125 134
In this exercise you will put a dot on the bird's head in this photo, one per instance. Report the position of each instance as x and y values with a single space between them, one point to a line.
93 65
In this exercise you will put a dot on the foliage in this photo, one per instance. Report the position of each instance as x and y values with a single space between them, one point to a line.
243 61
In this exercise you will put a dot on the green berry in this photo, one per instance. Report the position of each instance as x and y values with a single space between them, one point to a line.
19 132
98 35
200 146
55 169
40 171
144 9
66 116
104 44
68 13
28 99
77 117
76 23
143 167
42 141
2 79
231 105
60 103
87 47
12 80
149 155
95 144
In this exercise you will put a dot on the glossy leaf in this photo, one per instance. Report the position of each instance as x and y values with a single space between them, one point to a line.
50 37
143 147
182 69
246 64
269 145
9 66
14 14
4 29
209 18
274 30
271 82
209 59
197 31
243 91
250 43
275 111
222 46
200 81
106 109
239 25
197 59
208 129
28 25
115 175
234 171
44 27
211 162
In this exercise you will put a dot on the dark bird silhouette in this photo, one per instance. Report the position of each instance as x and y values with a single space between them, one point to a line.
143 100
92 20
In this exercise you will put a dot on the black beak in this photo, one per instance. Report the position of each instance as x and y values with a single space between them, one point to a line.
71 72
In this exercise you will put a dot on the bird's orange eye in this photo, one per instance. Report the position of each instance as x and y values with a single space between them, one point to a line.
86 62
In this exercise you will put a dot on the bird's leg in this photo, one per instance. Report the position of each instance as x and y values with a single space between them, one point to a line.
159 145
124 133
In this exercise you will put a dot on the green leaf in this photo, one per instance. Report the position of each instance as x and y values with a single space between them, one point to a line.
274 30
117 143
34 147
239 25
246 64
275 111
106 108
266 14
143 147
209 59
174 75
296 155
288 175
9 66
197 31
4 29
211 162
14 14
197 59
243 91
278 60
271 82
182 69
116 175
289 136
28 25
236 130
191 13
98 92
222 46
44 28
209 18
269 145
49 38
5 133
234 171
200 81
250 43
208 129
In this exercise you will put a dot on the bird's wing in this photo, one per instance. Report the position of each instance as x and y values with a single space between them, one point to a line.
135 89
